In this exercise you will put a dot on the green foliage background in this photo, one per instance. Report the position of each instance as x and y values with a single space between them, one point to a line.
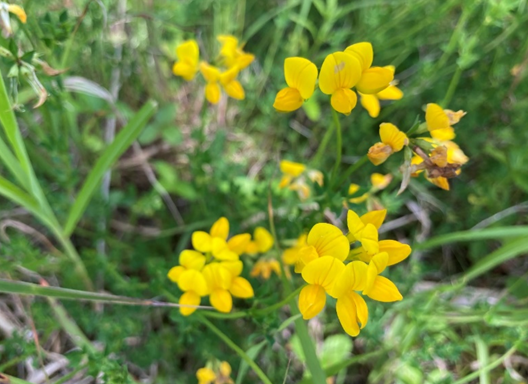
223 161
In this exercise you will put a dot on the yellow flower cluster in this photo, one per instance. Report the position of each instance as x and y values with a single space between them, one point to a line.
340 72
445 160
294 177
378 182
221 375
441 159
232 60
213 268
321 260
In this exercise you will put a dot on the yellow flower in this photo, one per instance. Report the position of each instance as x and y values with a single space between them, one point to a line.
350 306
373 79
300 75
216 241
320 274
377 287
395 250
339 73
380 181
223 282
205 376
392 140
356 224
293 178
440 121
214 78
188 55
323 240
232 54
264 268
262 243
291 255
188 260
372 102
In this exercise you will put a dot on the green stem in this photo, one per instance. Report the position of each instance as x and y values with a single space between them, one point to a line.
312 362
237 349
452 87
316 160
339 144
353 168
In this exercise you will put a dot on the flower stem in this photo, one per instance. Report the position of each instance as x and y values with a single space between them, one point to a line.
353 168
236 348
339 148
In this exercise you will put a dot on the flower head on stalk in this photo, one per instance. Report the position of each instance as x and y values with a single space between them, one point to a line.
300 75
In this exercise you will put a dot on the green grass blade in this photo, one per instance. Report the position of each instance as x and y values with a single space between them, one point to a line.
12 164
123 140
474 235
501 255
23 288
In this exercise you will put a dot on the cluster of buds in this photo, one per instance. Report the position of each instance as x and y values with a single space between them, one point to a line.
214 267
328 265
295 177
215 373
340 72
232 60
438 156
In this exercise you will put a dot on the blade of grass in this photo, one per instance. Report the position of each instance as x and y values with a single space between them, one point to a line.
483 358
483 234
123 140
23 288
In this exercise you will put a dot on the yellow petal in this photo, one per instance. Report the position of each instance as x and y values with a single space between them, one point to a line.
360 199
343 100
378 153
371 104
229 45
234 89
193 280
290 255
252 248
241 288
391 135
188 52
285 181
264 239
384 290
257 269
454 153
220 228
192 260
184 70
228 76
328 240
375 217
288 100
188 298
355 225
364 52
353 278
347 314
374 80
202 241
221 300
291 168
234 267
225 369
307 254
300 74
380 181
443 134
210 73
440 182
397 251
212 93
312 300
380 260
435 117
242 61
239 243
221 251
323 271
339 70
370 278
353 188
217 276
205 375
369 239
454 117
392 92
175 273
361 308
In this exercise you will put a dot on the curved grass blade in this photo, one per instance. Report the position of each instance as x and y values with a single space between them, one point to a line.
123 140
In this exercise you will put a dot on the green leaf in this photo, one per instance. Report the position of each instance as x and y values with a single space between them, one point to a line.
335 348
123 140
252 352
